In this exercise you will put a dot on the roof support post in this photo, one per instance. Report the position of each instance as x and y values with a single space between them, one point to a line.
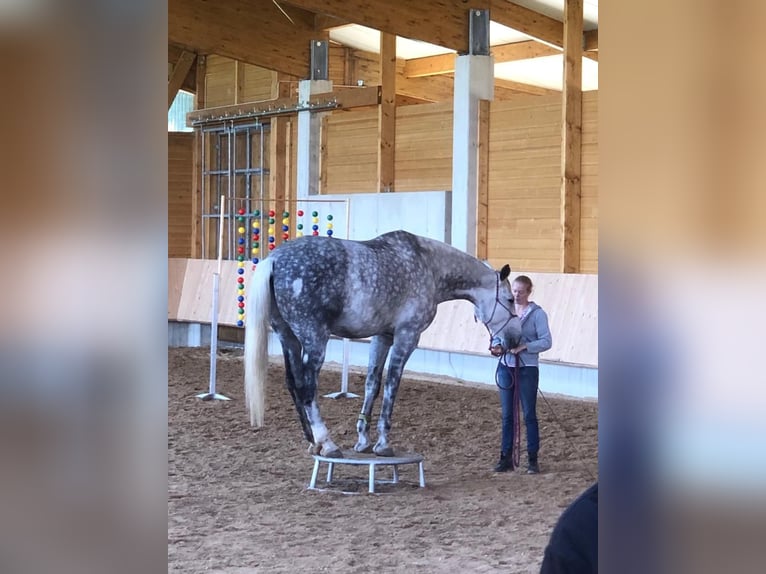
474 81
310 123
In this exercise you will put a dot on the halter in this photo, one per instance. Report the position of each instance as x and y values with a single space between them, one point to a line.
511 313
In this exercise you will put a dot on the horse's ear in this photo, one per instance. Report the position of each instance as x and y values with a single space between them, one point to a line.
505 272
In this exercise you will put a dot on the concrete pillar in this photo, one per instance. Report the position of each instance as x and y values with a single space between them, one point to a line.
308 145
474 81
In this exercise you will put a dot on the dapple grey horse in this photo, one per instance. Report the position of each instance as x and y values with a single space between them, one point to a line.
386 288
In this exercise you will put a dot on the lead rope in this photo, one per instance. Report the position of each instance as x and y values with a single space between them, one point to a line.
516 448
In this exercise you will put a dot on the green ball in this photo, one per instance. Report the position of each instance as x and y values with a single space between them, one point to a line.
240 218
257 212
241 258
314 214
300 226
329 218
241 311
256 244
285 214
271 220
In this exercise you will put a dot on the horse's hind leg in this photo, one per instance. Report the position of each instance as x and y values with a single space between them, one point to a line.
378 351
290 383
291 350
313 357
400 353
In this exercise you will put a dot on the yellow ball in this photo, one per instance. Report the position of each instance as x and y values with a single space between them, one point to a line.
314 220
299 234
286 221
329 226
254 250
240 264
241 230
271 231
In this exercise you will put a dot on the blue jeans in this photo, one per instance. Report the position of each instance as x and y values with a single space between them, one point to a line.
529 378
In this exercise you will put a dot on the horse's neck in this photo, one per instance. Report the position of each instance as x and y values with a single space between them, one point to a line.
461 276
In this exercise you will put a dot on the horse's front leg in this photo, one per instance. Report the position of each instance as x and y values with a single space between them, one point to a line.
378 350
403 347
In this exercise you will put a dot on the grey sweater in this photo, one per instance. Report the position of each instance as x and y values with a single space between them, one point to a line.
534 332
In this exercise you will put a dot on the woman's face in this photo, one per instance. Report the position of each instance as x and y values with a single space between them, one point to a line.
520 293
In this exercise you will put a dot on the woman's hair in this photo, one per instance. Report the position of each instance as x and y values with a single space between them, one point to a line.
524 280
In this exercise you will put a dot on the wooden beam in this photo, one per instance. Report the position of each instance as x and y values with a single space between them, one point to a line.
571 137
340 98
252 31
444 23
180 71
590 40
324 22
445 63
277 164
524 88
199 103
531 23
387 113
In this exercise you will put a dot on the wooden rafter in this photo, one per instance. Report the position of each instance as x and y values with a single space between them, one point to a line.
180 71
436 21
252 31
445 63
540 27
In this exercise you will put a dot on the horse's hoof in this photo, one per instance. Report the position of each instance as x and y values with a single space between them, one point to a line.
363 448
335 453
388 451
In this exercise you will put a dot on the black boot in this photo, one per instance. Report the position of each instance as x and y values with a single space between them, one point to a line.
532 466
505 463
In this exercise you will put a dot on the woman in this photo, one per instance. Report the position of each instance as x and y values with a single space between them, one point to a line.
535 338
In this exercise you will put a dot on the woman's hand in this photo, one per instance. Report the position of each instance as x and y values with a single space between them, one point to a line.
519 349
496 351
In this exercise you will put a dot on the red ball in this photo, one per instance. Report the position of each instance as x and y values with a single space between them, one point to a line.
272 213
241 211
241 305
315 233
271 246
240 279
285 236
300 213
240 249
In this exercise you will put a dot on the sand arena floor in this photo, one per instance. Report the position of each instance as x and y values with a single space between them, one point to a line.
238 501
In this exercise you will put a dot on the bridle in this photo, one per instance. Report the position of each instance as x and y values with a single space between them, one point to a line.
511 312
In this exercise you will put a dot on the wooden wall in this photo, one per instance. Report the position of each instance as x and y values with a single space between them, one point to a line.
231 82
524 150
570 300
180 170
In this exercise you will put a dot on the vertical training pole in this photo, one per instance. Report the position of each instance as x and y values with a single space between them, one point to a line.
211 394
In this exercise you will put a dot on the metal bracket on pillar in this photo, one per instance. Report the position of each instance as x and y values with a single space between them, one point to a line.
320 60
478 33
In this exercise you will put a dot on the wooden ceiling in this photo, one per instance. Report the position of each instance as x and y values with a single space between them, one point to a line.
276 34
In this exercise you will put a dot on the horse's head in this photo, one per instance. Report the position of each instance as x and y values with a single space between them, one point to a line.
495 308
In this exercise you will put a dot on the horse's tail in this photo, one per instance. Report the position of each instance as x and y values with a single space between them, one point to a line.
257 340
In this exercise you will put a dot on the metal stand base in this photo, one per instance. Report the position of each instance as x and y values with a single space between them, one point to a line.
342 395
212 397
373 461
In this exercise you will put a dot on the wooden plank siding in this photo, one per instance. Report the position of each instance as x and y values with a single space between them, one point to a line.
524 177
180 172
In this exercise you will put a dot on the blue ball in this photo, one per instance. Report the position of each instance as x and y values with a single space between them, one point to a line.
329 232
315 227
240 324
255 261
285 228
240 298
241 271
241 240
